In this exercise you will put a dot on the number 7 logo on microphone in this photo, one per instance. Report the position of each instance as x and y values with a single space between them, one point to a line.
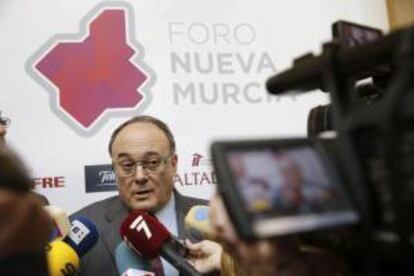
139 224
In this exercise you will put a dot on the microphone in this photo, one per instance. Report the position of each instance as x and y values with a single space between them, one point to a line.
136 272
63 255
60 221
129 264
62 259
197 223
147 236
82 236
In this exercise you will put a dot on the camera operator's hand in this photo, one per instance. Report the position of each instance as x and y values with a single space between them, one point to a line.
256 258
280 256
205 256
221 223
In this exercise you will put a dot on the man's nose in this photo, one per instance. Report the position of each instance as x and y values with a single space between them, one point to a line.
140 175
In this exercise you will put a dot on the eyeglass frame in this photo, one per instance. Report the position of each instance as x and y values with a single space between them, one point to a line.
162 160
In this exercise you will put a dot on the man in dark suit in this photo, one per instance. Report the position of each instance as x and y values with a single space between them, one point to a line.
145 162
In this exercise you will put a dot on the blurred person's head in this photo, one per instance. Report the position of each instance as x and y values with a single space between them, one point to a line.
24 225
292 182
13 173
237 165
145 163
259 194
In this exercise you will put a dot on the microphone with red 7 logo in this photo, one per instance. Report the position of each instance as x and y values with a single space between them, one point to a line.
148 237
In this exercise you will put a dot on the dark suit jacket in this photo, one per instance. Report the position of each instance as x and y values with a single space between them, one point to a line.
108 215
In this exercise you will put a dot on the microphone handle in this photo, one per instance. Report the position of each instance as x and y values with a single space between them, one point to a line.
169 253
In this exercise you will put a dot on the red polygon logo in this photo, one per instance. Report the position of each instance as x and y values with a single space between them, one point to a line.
97 73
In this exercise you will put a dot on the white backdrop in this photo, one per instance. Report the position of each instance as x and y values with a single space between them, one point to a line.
203 64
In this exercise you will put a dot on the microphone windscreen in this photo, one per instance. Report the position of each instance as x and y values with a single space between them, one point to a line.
62 259
128 262
197 223
136 272
144 233
82 235
60 221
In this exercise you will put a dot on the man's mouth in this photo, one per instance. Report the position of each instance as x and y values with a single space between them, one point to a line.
143 194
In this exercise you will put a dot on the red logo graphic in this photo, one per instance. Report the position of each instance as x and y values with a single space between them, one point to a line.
50 182
94 73
201 173
196 159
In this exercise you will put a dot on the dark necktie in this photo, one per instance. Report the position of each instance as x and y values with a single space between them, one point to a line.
156 266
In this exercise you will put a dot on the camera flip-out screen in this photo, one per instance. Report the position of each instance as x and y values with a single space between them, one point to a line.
280 187
352 35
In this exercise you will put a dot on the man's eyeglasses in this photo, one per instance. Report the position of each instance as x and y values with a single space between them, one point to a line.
155 164
4 121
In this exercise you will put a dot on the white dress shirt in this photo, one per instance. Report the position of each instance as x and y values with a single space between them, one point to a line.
168 217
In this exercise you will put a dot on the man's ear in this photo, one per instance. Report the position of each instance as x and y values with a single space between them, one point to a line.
113 170
174 161
113 167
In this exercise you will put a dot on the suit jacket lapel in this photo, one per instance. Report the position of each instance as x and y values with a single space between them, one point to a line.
181 209
114 216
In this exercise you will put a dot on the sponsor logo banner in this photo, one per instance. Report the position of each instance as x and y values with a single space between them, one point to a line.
199 172
50 182
99 178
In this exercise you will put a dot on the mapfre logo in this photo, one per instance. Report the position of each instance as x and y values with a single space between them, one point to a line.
96 73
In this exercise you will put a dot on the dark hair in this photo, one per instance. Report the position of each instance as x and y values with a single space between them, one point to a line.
13 173
144 119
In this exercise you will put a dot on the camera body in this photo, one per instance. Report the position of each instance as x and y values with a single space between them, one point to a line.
372 154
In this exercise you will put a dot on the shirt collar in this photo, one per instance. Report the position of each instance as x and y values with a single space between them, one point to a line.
167 215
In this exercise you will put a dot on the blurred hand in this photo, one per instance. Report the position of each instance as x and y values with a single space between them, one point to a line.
205 256
280 256
252 258
222 227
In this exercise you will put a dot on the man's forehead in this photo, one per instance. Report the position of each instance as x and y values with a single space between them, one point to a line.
131 155
141 137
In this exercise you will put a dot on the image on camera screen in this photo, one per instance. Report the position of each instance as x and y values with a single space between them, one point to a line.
289 184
